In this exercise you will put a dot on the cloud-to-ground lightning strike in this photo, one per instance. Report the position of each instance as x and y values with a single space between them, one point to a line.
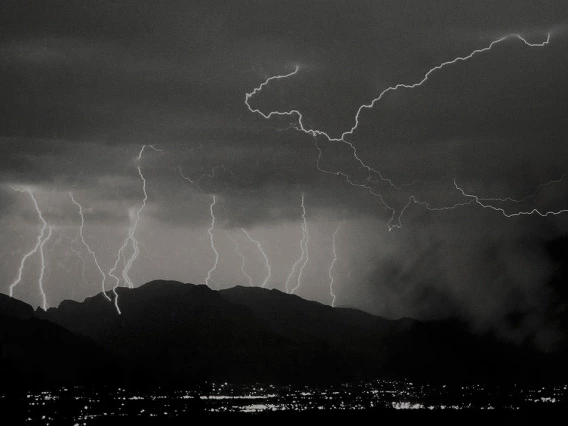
331 279
42 269
304 256
211 239
72 241
243 259
131 238
91 252
39 241
342 139
268 268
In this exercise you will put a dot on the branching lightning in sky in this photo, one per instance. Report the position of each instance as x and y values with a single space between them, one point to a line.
332 265
536 211
209 175
39 241
526 197
91 252
304 256
210 232
268 268
315 132
394 222
242 256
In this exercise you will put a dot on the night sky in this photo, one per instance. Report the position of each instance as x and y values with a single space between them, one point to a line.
84 85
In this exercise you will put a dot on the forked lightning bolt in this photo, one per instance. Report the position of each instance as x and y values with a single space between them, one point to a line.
304 256
80 257
91 252
242 256
131 238
316 132
37 247
536 211
342 139
210 232
526 197
268 268
331 279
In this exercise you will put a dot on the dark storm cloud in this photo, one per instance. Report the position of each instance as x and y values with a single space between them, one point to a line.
480 273
85 84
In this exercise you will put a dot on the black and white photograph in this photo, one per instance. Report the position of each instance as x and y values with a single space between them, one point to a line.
283 210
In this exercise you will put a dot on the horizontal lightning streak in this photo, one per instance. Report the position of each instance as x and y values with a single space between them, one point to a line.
526 197
342 139
316 132
478 200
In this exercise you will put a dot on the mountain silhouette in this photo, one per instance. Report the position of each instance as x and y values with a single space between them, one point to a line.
38 353
175 334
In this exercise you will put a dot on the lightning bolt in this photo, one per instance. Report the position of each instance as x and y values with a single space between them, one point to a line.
131 238
331 267
42 269
212 175
91 252
530 195
316 132
269 270
39 241
243 259
80 257
342 138
536 211
210 232
304 248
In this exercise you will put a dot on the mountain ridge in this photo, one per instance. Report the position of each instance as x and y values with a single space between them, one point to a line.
171 333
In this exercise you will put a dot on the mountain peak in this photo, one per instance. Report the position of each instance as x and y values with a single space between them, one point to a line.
15 308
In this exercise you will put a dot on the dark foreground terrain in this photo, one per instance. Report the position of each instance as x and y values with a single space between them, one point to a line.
167 359
171 334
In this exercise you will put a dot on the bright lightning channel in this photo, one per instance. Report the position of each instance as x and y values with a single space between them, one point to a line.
38 246
79 256
91 252
526 197
331 279
268 268
210 232
304 247
131 238
242 256
479 201
342 139
42 269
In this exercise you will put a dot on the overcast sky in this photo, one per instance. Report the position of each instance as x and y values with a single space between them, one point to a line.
86 84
